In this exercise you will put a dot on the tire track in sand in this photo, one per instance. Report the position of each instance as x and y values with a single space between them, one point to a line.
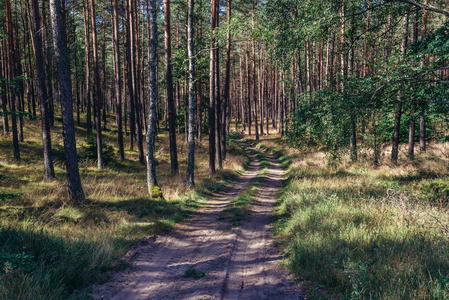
240 263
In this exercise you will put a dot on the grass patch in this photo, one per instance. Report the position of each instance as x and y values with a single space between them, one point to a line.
238 207
367 232
192 273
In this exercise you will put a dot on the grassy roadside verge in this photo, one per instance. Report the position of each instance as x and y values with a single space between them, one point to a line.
364 232
49 249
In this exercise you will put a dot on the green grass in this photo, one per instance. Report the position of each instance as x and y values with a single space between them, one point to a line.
192 273
366 232
49 249
238 207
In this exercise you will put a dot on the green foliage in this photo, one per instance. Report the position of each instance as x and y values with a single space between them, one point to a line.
434 191
17 113
192 273
351 98
435 43
17 261
231 143
156 192
9 196
322 123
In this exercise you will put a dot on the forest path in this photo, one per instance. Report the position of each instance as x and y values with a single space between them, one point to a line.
239 262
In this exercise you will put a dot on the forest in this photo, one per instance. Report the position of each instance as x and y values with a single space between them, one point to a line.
149 148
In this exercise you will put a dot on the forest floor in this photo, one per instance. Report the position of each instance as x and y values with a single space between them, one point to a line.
224 251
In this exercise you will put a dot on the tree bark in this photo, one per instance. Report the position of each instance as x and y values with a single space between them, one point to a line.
242 98
135 58
422 120
150 137
227 82
103 68
422 132
254 81
397 120
212 93
129 67
76 192
3 93
411 133
190 174
200 83
87 68
97 88
248 90
11 75
218 117
118 83
170 100
49 171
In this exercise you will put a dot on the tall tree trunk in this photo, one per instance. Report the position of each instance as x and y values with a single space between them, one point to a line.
242 98
227 83
411 133
3 93
117 82
422 132
190 174
76 192
49 171
350 69
103 67
87 68
97 87
281 105
200 83
11 75
150 137
422 120
218 119
170 100
261 91
397 120
365 47
248 89
19 71
135 61
129 67
254 81
49 65
212 93
75 76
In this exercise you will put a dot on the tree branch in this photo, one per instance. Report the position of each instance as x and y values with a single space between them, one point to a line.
424 6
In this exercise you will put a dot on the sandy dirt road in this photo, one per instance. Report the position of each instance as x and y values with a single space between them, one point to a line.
240 262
